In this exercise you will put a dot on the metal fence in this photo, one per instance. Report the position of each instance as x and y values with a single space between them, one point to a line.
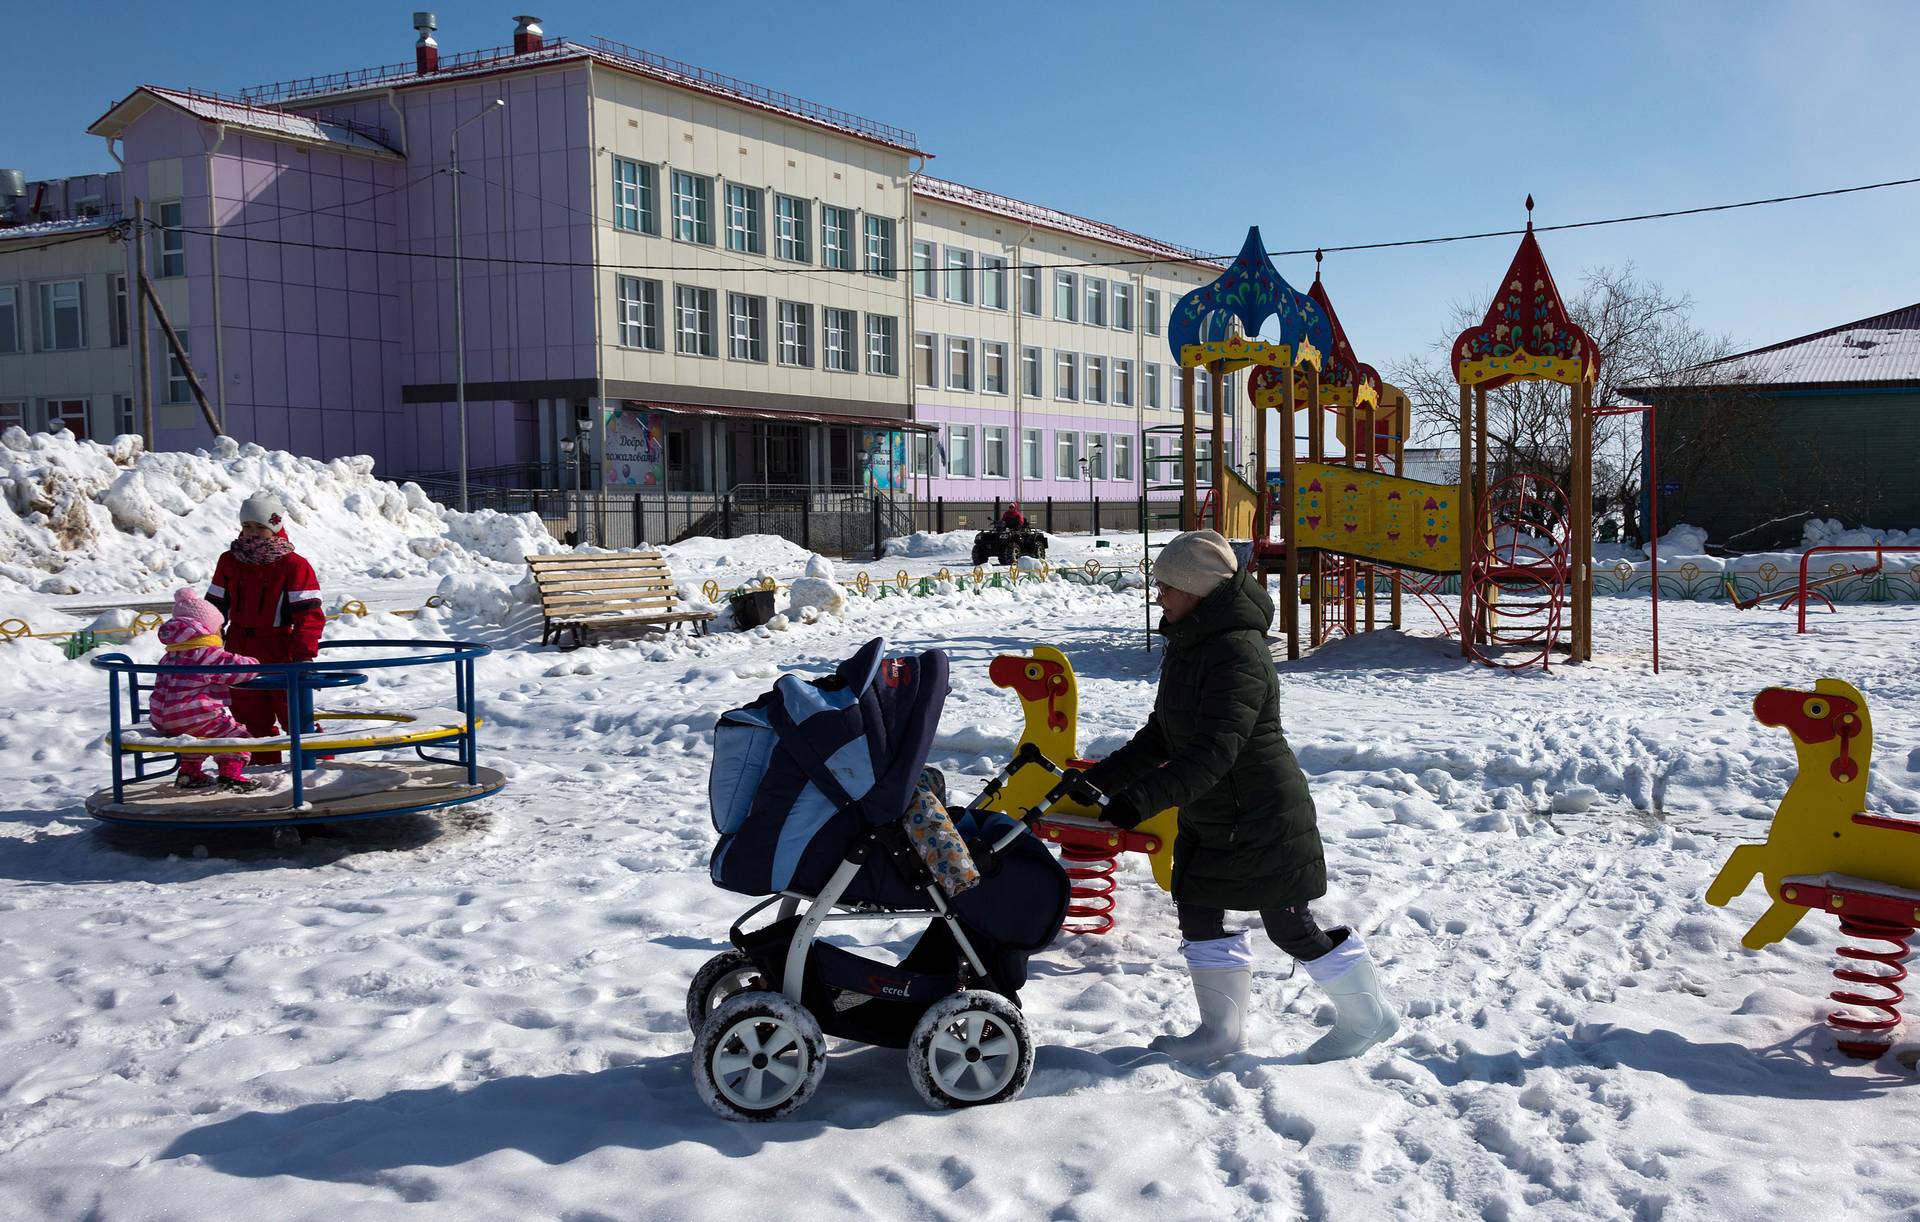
1092 515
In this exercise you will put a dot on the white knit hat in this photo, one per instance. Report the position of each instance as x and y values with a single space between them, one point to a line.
264 508
1196 562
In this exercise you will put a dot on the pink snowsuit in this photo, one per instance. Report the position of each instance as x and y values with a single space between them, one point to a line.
196 705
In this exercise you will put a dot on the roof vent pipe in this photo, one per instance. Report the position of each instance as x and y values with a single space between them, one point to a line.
13 185
426 52
528 36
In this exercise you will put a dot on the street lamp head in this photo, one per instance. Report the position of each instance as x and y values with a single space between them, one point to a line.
566 445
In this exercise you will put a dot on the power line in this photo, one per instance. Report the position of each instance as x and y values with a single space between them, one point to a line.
813 272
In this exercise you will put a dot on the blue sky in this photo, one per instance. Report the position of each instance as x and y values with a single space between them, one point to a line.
1323 125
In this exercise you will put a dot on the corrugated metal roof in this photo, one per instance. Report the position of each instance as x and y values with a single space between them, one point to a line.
1881 350
279 124
1064 222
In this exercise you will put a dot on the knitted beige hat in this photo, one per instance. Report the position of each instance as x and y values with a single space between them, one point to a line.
1196 562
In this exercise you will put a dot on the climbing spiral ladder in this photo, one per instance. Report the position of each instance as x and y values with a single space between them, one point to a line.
1520 571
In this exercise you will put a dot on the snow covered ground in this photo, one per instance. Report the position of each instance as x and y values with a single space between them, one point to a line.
482 1016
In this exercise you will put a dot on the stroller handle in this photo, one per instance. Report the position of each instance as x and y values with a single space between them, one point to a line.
1027 754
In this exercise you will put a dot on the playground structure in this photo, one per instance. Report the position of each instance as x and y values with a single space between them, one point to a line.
1823 850
311 788
1521 548
1089 849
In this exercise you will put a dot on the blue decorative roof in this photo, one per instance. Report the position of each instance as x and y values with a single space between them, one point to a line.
1252 290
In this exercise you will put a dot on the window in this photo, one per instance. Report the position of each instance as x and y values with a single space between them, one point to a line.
9 318
1030 373
959 363
836 238
1122 306
633 191
993 282
837 348
123 421
993 452
13 414
993 368
746 327
796 334
71 414
117 323
1031 458
693 320
960 450
1150 310
638 305
959 276
1123 457
791 225
1066 376
1122 383
693 209
1096 302
179 389
1096 379
1096 456
920 453
1066 455
883 353
62 321
743 219
1066 290
1202 392
923 269
880 246
1150 385
1203 460
170 258
926 361
1030 291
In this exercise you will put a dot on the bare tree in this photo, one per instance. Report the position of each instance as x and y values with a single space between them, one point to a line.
1646 336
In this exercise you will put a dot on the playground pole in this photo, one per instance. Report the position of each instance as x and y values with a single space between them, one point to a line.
1469 510
1316 571
1217 377
1366 570
1402 413
1289 515
1190 497
1484 613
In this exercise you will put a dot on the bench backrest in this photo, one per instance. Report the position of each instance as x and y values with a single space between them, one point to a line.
619 581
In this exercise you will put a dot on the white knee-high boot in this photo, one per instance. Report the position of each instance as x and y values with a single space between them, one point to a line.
1222 974
1362 1017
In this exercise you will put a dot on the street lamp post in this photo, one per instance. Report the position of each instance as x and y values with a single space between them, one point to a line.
1086 469
579 450
459 323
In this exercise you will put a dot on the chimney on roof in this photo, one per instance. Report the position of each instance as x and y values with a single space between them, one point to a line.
426 52
528 36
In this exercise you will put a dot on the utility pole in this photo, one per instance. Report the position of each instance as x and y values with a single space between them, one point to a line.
144 377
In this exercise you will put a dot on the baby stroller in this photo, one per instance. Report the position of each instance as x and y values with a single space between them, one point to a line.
825 806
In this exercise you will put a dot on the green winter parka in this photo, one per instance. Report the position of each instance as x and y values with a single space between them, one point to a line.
1249 838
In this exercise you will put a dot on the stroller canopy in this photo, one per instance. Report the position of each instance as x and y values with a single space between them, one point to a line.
809 766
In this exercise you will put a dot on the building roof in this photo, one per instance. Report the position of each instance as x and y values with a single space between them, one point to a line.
75 226
1878 351
1062 222
232 112
320 89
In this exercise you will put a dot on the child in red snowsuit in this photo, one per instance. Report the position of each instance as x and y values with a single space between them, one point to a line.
270 596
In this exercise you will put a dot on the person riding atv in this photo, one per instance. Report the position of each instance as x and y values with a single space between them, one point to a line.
1008 539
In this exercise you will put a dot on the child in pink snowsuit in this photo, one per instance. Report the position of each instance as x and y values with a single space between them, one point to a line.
196 704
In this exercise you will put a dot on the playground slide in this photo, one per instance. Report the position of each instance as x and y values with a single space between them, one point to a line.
1383 519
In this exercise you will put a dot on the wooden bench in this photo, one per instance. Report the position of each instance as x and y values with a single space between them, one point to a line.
617 590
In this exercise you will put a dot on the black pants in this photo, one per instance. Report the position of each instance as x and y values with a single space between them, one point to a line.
1292 928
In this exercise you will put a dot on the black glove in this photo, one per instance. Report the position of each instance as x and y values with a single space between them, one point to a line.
1122 812
1075 787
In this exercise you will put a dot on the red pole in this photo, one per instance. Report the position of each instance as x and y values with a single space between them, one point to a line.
1653 512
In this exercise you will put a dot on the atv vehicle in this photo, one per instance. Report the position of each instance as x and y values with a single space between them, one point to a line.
1004 543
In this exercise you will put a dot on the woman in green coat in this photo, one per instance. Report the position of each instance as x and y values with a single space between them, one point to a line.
1248 837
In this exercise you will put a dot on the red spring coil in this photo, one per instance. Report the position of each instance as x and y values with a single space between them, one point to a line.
1883 1002
1091 872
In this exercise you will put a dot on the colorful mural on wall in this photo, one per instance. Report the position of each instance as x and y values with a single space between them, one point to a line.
634 451
883 460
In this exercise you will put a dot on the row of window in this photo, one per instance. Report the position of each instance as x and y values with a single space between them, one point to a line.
981 365
842 339
973 451
74 415
59 316
744 219
1096 301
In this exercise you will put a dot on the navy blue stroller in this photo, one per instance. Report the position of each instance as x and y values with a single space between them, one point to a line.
822 797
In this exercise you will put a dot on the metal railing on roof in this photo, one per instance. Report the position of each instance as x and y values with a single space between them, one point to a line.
281 92
963 193
370 131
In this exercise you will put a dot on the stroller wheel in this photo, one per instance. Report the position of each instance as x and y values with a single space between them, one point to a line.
968 1049
719 978
758 1057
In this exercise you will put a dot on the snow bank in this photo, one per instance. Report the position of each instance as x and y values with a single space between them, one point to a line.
82 517
928 543
816 591
1828 532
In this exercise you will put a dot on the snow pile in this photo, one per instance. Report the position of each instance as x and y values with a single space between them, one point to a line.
1682 540
83 517
816 591
708 557
1828 532
928 543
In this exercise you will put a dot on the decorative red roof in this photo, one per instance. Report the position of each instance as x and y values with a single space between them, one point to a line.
1526 334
